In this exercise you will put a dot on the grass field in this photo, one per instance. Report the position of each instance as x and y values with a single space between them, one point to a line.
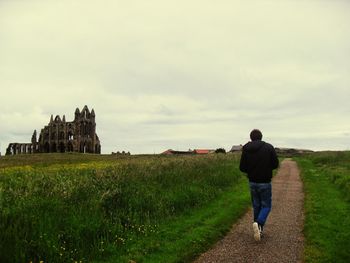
99 208
326 178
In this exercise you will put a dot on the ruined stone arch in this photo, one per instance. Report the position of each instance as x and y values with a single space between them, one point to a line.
83 147
70 135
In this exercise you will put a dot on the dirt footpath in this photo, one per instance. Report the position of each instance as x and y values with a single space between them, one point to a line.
283 238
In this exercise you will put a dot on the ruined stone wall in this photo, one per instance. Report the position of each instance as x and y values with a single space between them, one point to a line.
78 135
20 148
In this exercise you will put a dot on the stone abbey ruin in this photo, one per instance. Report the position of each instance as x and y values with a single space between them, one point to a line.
59 135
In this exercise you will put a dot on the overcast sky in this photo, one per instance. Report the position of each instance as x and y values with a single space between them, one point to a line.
179 74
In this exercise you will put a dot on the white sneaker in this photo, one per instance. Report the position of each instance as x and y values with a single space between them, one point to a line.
256 230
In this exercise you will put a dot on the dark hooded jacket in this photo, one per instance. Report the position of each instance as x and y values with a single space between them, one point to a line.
258 160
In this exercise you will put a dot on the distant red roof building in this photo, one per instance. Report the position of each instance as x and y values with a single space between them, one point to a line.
203 151
167 152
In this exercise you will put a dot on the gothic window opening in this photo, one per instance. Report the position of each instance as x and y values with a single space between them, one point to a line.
70 136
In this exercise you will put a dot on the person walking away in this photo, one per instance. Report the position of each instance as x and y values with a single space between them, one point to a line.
258 159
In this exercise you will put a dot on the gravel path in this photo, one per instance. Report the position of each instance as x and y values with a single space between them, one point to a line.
283 238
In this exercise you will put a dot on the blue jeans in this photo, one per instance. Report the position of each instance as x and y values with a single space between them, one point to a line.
261 200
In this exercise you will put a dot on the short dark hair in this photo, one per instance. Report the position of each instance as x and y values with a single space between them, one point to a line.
255 135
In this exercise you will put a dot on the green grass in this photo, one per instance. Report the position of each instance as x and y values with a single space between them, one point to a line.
95 208
187 236
327 208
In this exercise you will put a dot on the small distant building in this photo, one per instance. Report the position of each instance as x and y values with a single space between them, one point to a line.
236 148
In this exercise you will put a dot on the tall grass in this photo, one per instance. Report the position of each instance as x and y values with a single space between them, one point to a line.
67 208
336 166
326 178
